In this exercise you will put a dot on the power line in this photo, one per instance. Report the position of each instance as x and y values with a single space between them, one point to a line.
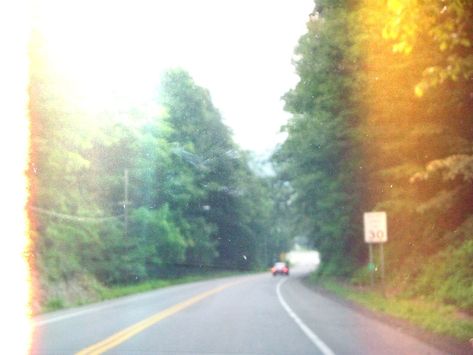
91 219
72 217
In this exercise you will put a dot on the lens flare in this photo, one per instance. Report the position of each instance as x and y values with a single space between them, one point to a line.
15 29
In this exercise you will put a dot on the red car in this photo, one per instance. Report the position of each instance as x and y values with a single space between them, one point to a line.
280 268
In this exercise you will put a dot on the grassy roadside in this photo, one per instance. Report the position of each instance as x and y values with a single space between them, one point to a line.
102 293
119 291
437 318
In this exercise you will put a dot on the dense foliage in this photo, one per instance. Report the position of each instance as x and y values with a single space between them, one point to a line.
382 120
192 201
319 157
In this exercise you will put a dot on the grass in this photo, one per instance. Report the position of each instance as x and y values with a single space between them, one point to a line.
103 293
120 291
53 305
432 316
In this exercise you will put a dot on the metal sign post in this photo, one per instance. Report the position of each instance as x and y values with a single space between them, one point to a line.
371 265
381 256
376 231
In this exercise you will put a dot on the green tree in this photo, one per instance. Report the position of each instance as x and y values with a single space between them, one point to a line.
320 158
447 24
361 139
219 173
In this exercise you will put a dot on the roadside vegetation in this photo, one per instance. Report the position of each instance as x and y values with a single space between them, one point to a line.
382 120
128 193
424 312
98 292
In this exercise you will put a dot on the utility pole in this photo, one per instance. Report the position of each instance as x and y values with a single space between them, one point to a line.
266 262
126 203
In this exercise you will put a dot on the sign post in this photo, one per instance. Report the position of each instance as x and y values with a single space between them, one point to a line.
376 231
381 256
371 265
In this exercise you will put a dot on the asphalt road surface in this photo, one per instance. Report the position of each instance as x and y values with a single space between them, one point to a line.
257 314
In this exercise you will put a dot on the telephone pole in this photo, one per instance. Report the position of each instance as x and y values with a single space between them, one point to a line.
126 203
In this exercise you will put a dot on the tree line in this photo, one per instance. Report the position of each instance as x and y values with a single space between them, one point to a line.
193 203
382 119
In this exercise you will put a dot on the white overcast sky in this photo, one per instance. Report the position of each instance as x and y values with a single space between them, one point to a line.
241 50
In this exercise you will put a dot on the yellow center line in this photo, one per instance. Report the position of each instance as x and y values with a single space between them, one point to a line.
125 334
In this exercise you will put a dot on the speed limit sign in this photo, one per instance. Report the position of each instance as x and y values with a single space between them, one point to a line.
376 230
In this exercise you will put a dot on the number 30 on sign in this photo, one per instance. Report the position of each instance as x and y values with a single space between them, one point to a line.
375 224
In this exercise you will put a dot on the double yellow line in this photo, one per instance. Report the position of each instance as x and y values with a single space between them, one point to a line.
127 333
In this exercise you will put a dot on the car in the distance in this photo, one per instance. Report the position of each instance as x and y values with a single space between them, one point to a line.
280 268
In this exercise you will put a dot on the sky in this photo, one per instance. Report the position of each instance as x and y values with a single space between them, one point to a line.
240 50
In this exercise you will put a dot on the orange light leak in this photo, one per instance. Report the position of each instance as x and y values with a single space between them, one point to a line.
15 29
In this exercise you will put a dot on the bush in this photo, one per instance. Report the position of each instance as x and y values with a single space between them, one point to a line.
361 277
448 277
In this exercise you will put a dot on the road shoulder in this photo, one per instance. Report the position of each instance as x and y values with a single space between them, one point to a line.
441 342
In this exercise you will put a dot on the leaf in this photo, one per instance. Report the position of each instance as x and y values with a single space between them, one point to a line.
418 90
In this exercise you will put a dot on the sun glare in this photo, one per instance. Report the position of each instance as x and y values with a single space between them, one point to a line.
14 266
115 52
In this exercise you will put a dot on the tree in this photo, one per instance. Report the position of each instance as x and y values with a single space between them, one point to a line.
447 24
219 212
319 158
367 119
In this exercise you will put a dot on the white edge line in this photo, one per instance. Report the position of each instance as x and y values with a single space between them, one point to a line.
102 305
309 333
40 322
114 302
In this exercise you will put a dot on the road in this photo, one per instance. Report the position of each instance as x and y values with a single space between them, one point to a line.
256 314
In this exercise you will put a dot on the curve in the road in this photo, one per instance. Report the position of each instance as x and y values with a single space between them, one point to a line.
307 331
125 334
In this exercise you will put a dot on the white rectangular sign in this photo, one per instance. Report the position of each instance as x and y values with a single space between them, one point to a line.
376 228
